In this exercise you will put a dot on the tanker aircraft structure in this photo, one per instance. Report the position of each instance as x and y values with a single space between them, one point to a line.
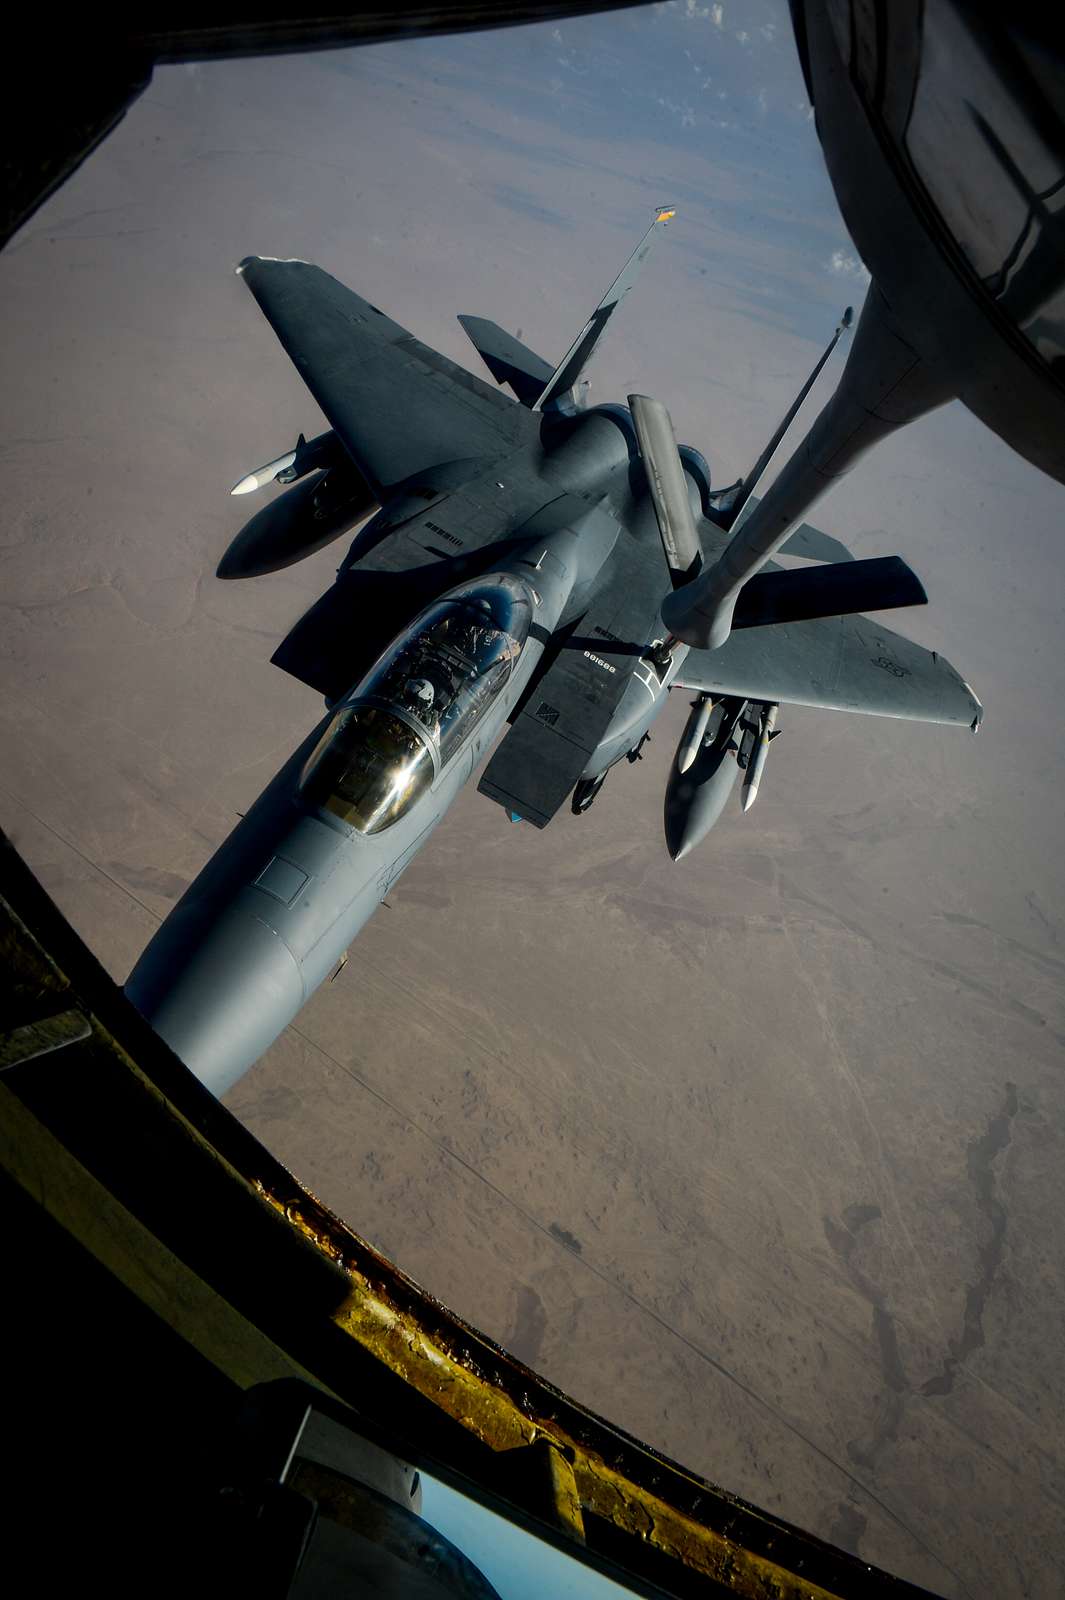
535 568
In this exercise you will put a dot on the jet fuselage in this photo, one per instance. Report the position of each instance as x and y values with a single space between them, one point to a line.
275 909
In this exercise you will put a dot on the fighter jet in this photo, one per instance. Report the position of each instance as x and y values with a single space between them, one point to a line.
530 566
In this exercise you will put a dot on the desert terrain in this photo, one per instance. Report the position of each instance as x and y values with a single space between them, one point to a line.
760 1154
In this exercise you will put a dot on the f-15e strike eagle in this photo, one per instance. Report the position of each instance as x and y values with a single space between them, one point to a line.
535 568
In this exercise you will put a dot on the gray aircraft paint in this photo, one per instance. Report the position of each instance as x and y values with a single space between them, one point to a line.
697 795
471 484
273 912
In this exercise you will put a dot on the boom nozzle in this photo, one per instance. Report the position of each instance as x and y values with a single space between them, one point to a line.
884 385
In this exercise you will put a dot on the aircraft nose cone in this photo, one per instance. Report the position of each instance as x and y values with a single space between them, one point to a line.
219 988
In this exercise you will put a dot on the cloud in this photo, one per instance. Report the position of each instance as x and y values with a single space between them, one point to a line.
693 11
685 112
845 265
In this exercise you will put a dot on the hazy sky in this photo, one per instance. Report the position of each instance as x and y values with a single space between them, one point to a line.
518 1565
760 1154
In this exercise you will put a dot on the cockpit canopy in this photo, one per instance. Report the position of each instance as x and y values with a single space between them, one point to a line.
401 725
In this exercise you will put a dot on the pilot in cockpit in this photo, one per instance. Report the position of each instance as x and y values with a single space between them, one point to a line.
419 698
465 634
443 669
474 637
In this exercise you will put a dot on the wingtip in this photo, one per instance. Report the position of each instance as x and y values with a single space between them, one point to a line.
285 261
978 718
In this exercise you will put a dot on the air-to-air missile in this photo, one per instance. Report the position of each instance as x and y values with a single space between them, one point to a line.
273 472
324 451
694 731
332 499
756 767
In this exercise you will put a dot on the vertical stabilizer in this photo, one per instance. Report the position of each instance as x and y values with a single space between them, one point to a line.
730 502
566 374
885 384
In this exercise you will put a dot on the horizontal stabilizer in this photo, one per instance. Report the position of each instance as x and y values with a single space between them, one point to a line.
838 590
840 663
508 360
814 545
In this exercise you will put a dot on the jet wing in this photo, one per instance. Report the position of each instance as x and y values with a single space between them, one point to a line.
841 663
398 406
